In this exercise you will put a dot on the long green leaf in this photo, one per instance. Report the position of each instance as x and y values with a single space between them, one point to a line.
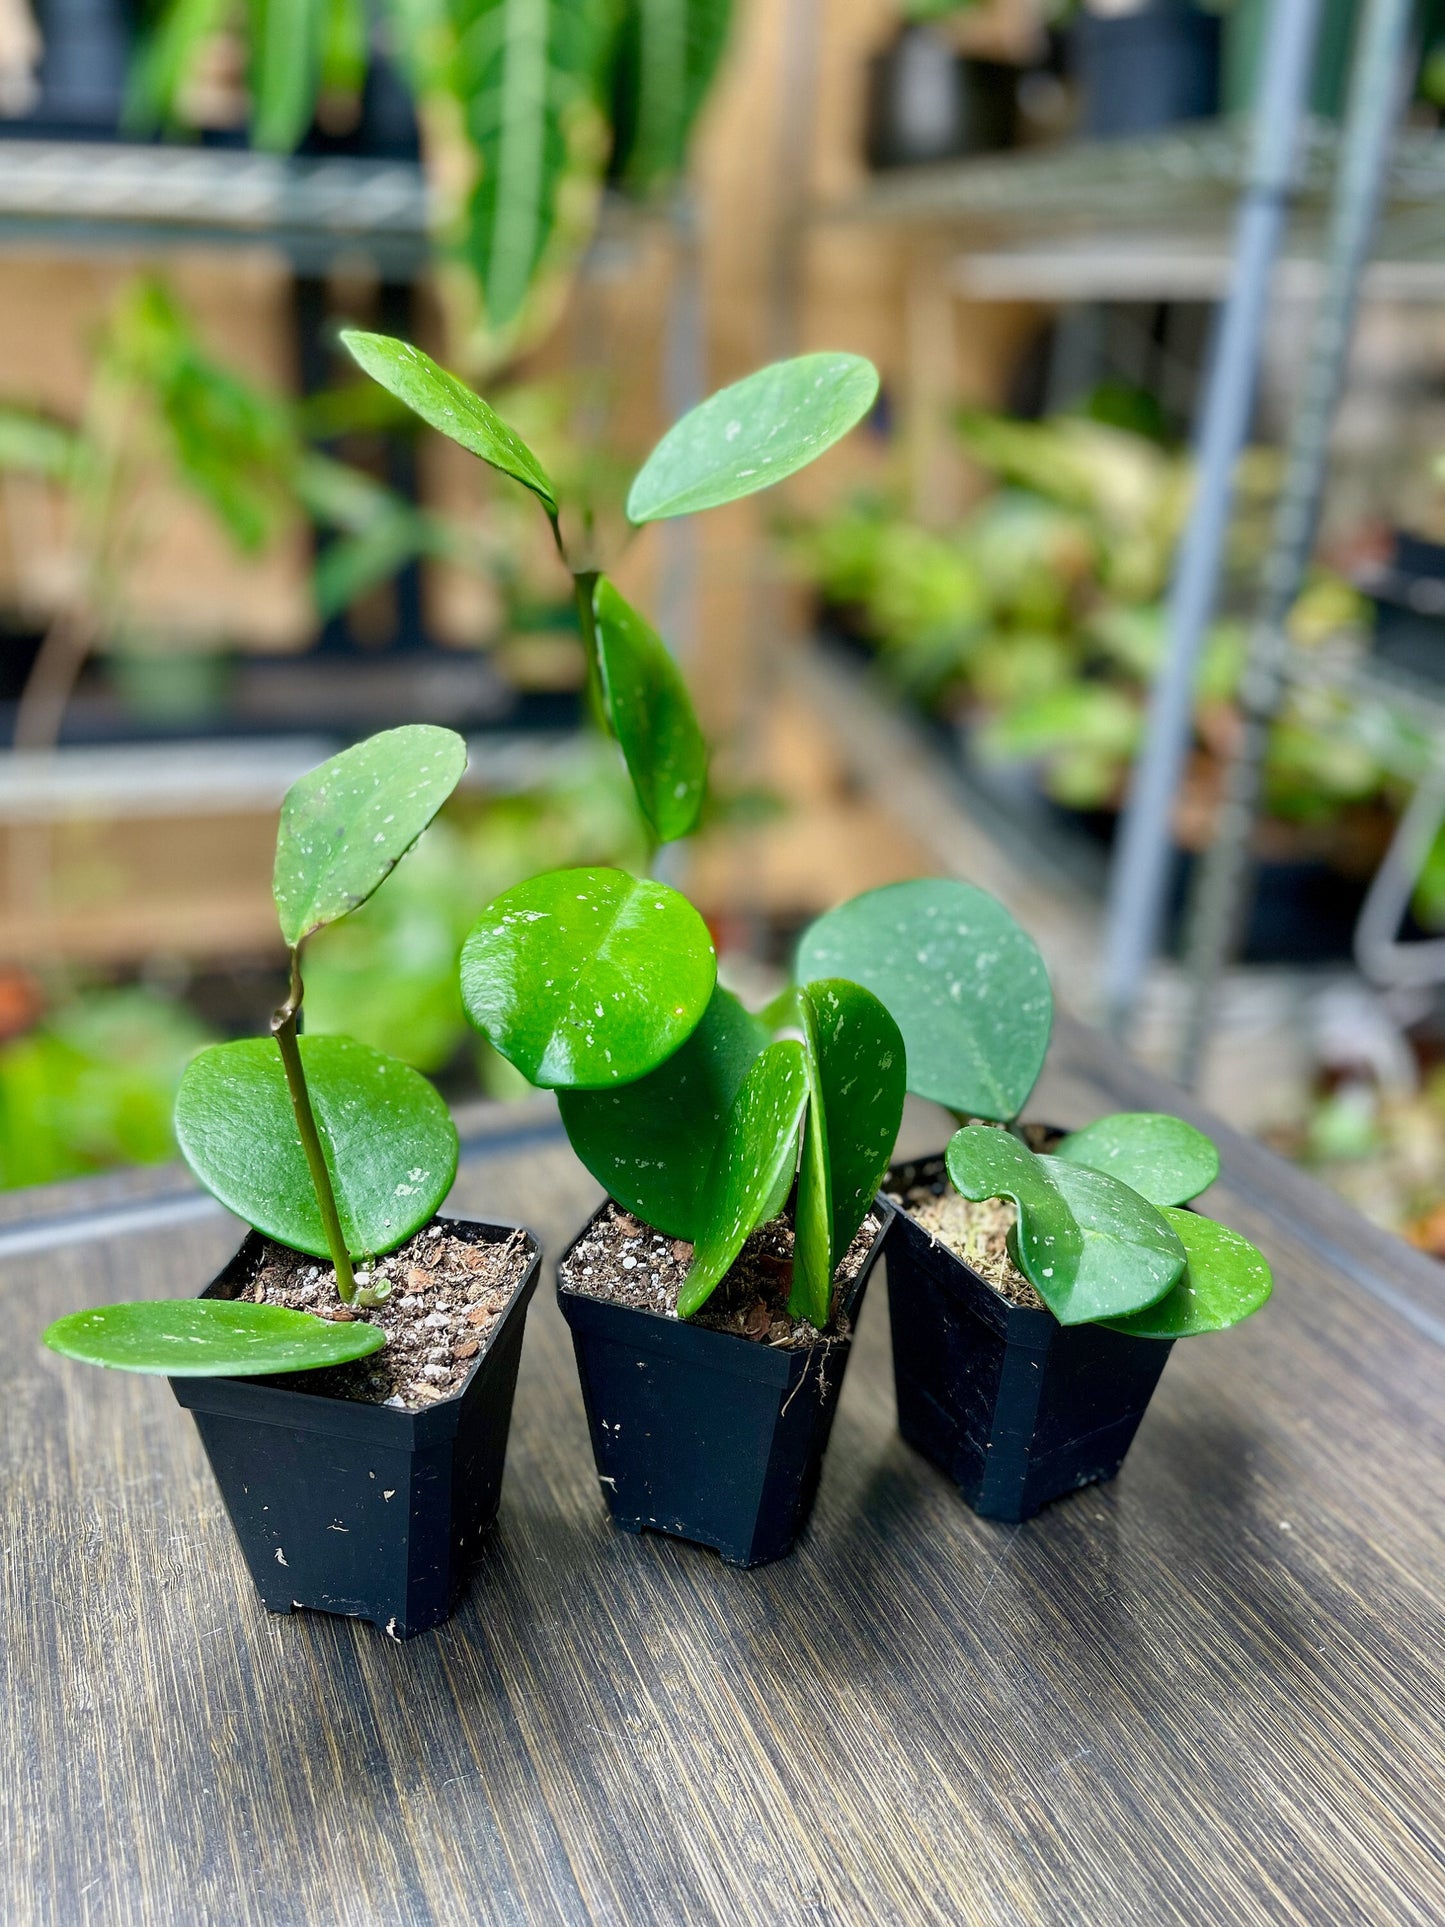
667 54
210 1338
285 69
651 715
167 59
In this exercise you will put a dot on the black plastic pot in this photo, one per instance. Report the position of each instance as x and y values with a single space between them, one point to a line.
1014 1407
702 1434
366 1510
1409 597
1143 71
926 102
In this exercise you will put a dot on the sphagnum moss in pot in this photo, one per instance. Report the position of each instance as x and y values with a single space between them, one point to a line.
712 1299
355 1417
1033 1299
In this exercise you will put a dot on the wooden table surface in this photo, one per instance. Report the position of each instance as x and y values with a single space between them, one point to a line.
1208 1693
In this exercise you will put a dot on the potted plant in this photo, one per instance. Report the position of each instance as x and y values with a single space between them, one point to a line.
1033 1304
355 1417
711 1331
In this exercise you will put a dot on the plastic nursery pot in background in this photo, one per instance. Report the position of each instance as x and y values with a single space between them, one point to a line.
343 1506
1014 1407
703 1434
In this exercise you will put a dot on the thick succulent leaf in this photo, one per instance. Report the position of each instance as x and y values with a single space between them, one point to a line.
651 715
389 1142
757 432
346 824
857 1080
755 1157
210 1338
587 978
1226 1279
1089 1246
652 1142
449 406
965 985
1161 1157
667 53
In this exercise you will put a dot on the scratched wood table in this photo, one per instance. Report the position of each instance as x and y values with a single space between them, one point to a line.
1208 1693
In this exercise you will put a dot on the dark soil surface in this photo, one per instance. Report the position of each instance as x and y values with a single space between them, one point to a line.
631 1264
448 1294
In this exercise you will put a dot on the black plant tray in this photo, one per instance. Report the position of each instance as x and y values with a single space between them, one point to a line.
1016 1408
367 1510
702 1434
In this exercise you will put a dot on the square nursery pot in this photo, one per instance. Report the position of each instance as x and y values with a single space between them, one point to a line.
702 1434
366 1510
1016 1408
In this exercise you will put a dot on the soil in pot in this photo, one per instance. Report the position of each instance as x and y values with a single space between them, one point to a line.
712 1428
1014 1407
366 1489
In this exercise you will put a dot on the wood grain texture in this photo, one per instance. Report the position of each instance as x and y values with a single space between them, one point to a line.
1210 1692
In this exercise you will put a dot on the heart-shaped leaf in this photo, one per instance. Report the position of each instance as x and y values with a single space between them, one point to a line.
449 406
857 1084
652 1142
965 985
651 715
755 433
389 1142
1161 1157
1226 1279
346 824
210 1338
1089 1246
587 978
755 1157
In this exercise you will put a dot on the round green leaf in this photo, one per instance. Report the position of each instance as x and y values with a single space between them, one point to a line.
449 406
651 1142
651 715
1161 1157
346 824
754 1159
1089 1246
585 978
965 985
755 433
389 1143
210 1338
1226 1280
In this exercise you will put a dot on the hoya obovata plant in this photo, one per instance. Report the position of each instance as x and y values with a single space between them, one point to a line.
321 1143
1100 1233
602 986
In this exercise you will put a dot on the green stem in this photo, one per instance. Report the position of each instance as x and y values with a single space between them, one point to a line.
283 1029
584 587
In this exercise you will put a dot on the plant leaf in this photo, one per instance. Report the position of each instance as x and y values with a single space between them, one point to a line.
390 1145
965 985
755 1158
666 57
857 1082
587 978
652 1142
285 69
1226 1280
449 406
651 715
1089 1246
210 1338
757 432
1161 1157
346 824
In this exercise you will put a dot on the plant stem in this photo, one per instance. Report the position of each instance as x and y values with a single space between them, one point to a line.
283 1029
584 586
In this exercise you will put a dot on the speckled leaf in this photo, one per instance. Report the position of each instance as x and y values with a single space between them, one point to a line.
389 1142
587 978
1226 1279
1161 1157
651 715
857 1084
449 406
757 432
985 1163
652 1142
209 1338
346 824
756 1155
965 985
